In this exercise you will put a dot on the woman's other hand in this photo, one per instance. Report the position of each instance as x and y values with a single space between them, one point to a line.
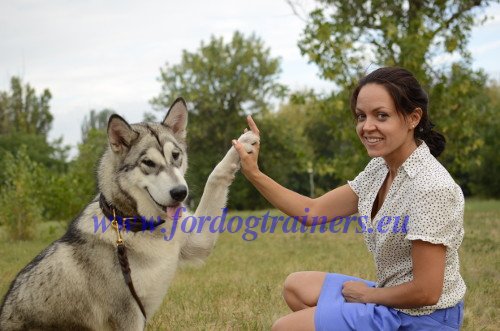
355 291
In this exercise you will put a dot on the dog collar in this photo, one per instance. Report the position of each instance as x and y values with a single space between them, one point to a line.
129 223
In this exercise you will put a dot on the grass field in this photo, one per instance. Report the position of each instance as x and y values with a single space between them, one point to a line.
239 288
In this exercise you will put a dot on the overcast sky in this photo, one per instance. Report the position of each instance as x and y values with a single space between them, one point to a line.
107 54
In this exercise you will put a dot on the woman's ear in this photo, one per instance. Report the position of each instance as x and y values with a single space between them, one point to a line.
415 117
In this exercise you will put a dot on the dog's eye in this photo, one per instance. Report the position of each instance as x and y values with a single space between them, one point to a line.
149 163
175 155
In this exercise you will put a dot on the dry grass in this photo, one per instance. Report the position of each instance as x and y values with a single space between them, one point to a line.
239 288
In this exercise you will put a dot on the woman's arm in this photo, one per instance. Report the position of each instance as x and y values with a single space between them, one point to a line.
428 261
341 201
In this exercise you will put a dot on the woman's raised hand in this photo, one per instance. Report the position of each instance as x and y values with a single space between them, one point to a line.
249 157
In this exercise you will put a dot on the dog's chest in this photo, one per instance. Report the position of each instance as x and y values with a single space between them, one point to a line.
153 264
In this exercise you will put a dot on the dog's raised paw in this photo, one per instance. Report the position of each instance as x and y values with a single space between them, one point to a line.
249 139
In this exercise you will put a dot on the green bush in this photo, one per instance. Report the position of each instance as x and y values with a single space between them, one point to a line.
20 208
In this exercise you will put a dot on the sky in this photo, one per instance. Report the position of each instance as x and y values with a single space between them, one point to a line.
108 54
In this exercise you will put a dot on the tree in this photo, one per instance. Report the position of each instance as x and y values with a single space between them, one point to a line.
97 120
23 111
149 117
20 208
222 82
80 182
344 37
460 105
285 156
25 119
485 177
81 179
51 155
66 193
335 152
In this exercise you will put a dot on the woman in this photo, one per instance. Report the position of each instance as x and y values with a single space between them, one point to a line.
419 286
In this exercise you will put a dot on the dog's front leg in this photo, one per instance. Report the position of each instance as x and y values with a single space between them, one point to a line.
199 244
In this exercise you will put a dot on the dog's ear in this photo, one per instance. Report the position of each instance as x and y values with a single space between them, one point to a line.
177 117
120 134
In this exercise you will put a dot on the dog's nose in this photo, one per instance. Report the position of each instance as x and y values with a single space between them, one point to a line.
178 193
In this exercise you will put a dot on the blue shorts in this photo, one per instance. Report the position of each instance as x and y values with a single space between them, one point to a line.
334 313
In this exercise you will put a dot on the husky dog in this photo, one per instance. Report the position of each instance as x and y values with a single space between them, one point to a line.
85 280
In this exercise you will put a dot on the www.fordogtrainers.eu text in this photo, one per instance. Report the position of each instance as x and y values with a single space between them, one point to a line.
251 226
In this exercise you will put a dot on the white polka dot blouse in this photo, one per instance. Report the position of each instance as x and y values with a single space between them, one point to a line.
423 203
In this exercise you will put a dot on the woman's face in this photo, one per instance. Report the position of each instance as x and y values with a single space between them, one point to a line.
382 130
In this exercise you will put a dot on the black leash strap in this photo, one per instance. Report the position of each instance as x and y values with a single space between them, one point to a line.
121 250
122 257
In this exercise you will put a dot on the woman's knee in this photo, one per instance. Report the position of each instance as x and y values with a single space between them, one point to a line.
279 325
302 320
292 285
303 286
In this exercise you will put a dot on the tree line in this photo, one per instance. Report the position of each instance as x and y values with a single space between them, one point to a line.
310 136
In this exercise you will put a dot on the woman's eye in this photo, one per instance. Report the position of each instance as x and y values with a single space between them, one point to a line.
360 117
175 155
149 163
382 116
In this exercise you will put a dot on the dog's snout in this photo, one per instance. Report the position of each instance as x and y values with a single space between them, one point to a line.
178 193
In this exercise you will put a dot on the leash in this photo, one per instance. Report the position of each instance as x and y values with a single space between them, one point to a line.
122 251
125 266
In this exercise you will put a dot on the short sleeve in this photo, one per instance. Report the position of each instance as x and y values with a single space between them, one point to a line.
364 180
358 183
436 216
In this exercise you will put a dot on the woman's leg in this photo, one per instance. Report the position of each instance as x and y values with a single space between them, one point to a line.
302 320
302 289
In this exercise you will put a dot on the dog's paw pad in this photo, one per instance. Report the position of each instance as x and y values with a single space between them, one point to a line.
248 148
249 138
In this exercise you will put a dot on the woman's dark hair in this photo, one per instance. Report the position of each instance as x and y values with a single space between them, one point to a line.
408 95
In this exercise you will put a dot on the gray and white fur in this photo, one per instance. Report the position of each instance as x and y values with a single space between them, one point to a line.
76 283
